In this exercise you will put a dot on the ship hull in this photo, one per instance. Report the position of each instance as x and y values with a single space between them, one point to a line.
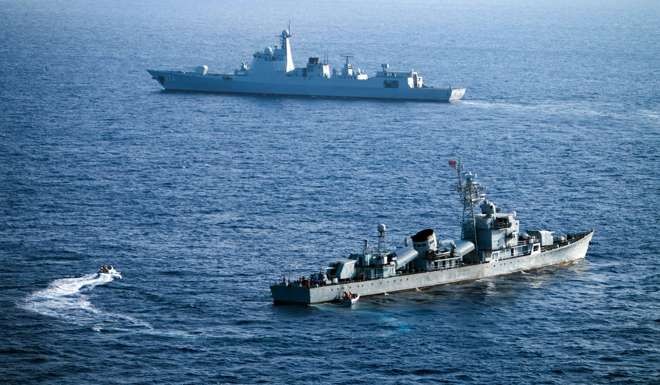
291 86
301 295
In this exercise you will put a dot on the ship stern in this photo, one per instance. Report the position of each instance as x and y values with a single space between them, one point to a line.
287 294
456 94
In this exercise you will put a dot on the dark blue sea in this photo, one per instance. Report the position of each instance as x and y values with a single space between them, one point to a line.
202 201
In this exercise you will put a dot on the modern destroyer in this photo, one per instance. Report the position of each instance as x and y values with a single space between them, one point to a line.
491 244
273 72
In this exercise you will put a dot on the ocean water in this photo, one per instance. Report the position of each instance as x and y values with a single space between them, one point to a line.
201 201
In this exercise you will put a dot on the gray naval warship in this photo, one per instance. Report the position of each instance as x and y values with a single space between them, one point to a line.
491 244
273 72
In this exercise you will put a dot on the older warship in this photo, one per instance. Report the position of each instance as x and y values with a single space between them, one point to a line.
273 72
491 244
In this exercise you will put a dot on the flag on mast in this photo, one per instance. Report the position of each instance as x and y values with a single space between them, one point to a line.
453 163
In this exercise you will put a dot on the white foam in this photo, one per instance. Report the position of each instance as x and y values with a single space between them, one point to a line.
551 108
66 299
69 286
63 296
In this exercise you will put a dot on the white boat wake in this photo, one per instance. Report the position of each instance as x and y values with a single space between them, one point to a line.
66 299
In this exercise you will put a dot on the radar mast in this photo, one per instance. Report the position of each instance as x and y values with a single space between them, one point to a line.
471 194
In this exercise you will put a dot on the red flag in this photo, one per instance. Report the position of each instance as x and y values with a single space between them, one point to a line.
452 163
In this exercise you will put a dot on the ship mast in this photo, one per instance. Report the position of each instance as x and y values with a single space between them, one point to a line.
471 194
286 47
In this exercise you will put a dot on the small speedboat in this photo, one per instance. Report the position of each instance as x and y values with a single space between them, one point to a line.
109 270
349 298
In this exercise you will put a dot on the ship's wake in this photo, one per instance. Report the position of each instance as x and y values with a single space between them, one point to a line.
572 108
68 299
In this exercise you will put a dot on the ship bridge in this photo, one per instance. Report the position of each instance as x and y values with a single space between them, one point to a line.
273 59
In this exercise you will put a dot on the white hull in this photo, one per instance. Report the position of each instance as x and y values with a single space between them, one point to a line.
293 86
302 295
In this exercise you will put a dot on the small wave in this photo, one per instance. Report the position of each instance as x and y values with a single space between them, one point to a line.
392 325
66 299
552 108
650 114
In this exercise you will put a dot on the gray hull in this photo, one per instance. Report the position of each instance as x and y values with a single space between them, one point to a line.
302 295
291 86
